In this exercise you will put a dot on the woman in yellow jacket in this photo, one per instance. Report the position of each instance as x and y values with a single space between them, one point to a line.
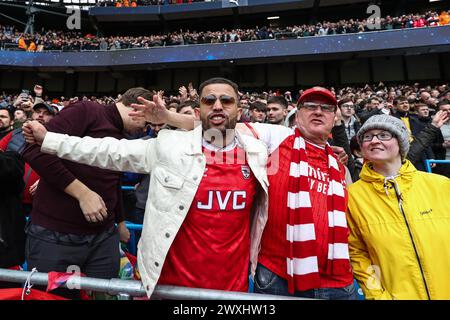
399 219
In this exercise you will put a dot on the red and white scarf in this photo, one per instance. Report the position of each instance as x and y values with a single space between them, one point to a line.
302 261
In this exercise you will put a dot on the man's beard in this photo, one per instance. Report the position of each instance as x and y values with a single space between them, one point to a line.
212 133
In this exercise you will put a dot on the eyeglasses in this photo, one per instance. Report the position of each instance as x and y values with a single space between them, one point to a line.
224 99
348 106
311 106
382 136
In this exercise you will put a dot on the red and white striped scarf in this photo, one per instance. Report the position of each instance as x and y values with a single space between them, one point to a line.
302 262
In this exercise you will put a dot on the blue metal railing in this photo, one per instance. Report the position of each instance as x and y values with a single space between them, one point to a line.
132 243
132 246
428 163
133 228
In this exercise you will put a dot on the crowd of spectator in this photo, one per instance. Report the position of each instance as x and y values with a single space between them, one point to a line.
275 106
11 38
135 3
424 109
360 95
419 103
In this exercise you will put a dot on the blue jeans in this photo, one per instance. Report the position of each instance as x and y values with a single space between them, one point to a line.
267 282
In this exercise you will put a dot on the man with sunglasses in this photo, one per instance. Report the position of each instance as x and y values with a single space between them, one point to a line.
304 250
206 187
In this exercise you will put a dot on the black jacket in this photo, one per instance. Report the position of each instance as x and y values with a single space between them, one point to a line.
363 115
439 152
340 139
438 149
12 217
421 142
417 125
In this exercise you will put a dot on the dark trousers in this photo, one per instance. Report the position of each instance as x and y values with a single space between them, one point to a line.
95 256
267 282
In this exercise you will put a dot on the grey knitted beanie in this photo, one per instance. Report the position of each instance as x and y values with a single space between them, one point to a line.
391 124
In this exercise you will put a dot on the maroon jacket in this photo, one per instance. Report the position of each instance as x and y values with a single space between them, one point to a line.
55 210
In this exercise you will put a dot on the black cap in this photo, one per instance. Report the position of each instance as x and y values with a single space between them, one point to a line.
42 104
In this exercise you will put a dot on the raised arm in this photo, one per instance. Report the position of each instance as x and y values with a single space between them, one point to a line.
107 153
156 112
272 135
426 137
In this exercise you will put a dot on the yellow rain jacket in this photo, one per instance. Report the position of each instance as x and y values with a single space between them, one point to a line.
400 234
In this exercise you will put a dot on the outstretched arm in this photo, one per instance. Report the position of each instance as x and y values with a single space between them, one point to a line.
156 112
107 153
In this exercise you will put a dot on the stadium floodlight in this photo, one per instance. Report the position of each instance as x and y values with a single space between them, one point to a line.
273 18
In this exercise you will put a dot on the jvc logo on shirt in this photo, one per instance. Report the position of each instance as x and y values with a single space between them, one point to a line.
218 198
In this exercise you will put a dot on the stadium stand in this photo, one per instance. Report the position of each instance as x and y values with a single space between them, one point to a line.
71 41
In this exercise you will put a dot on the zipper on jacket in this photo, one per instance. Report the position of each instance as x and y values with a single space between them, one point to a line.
400 205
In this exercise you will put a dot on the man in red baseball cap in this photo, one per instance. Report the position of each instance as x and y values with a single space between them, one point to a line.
304 246
316 125
318 92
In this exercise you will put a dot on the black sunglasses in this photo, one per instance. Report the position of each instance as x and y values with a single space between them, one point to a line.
224 99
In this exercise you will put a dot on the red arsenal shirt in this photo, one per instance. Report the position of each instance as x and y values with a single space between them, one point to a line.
212 248
273 243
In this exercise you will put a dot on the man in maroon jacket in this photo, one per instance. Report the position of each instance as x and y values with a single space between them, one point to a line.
75 208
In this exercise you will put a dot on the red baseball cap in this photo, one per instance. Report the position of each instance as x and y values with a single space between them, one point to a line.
317 92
